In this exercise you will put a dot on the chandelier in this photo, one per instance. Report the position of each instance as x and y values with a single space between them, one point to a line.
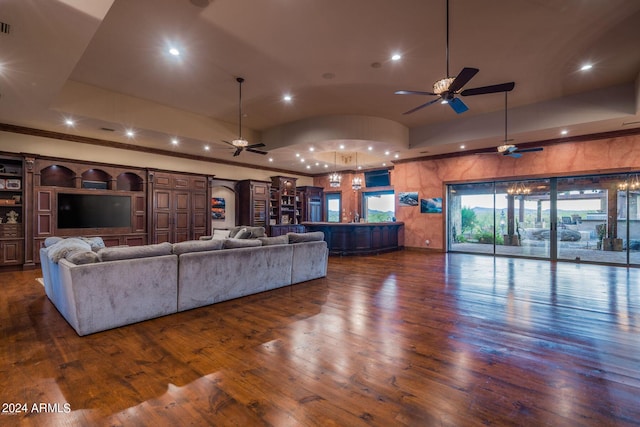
335 179
356 182
518 189
633 183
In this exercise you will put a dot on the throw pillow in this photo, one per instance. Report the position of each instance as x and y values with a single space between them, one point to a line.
243 234
50 241
82 257
240 243
60 249
96 243
312 236
221 234
197 246
276 240
130 252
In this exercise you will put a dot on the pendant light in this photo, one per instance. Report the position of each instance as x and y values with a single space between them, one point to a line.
335 179
356 182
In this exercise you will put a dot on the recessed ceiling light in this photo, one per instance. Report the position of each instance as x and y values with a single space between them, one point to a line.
386 153
69 122
271 159
308 166
586 67
462 147
369 148
359 167
384 164
130 133
173 51
341 146
326 165
397 156
317 164
396 57
564 132
297 154
206 148
174 141
312 149
301 160
287 98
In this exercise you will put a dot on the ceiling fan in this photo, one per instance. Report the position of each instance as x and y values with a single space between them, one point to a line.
511 150
447 88
240 143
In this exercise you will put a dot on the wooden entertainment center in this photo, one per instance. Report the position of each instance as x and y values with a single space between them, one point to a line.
123 205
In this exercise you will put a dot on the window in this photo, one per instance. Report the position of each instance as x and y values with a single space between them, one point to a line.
379 206
333 202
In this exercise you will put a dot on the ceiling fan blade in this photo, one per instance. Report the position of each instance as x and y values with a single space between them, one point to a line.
462 78
530 150
504 87
237 153
458 106
227 142
256 151
260 144
514 155
419 107
414 92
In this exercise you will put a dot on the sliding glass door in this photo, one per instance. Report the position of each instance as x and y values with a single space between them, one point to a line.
585 218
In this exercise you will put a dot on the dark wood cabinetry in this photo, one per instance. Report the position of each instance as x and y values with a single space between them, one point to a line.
253 199
56 179
11 211
179 207
284 205
310 203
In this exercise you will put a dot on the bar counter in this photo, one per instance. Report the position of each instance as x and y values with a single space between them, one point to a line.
349 238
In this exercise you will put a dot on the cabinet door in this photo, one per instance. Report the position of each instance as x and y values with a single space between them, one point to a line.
182 212
200 214
162 216
11 252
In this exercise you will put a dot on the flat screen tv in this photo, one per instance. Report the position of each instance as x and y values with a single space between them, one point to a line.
93 211
378 178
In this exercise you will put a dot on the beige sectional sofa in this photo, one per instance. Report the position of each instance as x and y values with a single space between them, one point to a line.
111 287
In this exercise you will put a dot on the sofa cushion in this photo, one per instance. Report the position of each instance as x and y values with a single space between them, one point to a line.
197 246
59 250
313 236
275 240
130 252
82 257
240 243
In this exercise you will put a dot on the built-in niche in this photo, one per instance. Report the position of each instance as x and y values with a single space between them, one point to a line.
97 179
57 176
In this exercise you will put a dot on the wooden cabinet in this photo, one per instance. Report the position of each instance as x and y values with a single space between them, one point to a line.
179 206
11 211
284 205
96 188
310 203
253 199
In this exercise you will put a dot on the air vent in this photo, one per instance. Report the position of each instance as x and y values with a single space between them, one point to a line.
5 28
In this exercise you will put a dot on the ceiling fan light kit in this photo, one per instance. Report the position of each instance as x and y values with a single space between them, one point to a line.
241 144
447 88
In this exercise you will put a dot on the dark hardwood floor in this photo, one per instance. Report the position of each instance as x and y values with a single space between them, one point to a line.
405 338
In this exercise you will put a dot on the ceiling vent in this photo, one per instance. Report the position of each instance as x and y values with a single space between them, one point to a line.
5 28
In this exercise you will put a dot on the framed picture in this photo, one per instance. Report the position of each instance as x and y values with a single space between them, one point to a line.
431 205
408 199
13 184
217 208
